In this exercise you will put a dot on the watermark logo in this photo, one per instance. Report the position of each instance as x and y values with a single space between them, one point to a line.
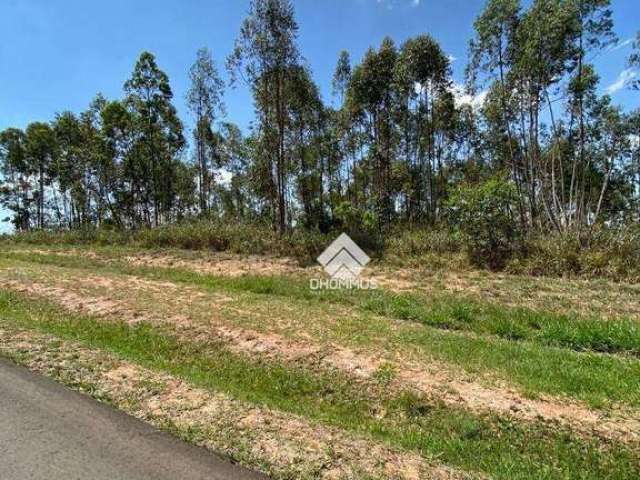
344 261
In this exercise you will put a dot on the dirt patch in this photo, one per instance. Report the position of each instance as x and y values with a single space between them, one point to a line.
222 264
585 297
564 296
441 382
77 302
285 446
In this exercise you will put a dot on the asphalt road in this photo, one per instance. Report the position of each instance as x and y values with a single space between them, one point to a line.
49 432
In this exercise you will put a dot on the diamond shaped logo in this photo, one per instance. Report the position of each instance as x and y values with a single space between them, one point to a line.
343 259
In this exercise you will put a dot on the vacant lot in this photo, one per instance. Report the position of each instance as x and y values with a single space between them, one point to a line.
438 374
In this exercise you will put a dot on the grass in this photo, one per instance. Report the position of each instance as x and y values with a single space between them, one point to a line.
492 444
477 337
253 239
612 253
453 313
446 311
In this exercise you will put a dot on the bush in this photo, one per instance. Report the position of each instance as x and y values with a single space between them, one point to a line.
484 214
602 252
257 239
417 242
80 236
435 247
484 231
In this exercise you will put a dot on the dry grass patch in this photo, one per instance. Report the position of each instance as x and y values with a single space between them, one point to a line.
585 297
439 381
285 446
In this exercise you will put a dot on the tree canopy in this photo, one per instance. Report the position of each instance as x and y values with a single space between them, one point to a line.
392 149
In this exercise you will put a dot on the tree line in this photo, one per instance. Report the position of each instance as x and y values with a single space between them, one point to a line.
394 148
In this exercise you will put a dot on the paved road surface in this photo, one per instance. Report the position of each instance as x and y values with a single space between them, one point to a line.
48 432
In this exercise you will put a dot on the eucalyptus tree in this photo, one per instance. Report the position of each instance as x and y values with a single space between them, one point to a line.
159 135
591 31
371 100
311 164
542 51
15 187
236 193
266 54
120 174
341 76
342 136
425 105
99 171
533 59
610 149
70 169
204 100
40 154
493 53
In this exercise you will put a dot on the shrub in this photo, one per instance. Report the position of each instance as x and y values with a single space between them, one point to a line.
484 214
257 239
612 253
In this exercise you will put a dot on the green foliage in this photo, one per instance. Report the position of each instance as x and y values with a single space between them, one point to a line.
406 243
355 219
451 313
204 100
402 148
159 139
603 253
484 213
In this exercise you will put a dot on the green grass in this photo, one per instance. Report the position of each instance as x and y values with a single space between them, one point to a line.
620 335
535 364
492 444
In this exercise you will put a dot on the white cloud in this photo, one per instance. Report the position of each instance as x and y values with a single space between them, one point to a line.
623 79
622 44
462 97
224 177
451 58
390 4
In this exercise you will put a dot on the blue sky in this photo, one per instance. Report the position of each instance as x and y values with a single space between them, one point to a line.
56 55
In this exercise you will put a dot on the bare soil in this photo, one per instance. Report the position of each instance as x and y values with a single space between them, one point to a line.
286 446
442 382
586 297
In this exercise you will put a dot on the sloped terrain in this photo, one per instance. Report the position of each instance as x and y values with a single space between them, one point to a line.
435 375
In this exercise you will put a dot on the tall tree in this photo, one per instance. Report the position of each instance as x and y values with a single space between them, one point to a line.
591 31
15 187
71 170
422 79
204 100
492 56
119 172
371 99
40 152
160 136
267 53
342 76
